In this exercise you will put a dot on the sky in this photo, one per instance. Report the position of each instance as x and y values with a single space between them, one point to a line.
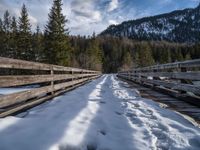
88 16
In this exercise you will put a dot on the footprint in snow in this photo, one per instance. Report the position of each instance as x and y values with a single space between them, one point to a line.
92 146
119 113
103 132
102 102
69 147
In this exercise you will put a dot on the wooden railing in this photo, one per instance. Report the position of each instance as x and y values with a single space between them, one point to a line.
52 80
180 78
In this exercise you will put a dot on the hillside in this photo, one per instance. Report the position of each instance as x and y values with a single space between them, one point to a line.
177 26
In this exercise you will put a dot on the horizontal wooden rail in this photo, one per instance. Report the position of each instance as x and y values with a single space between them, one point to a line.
55 80
35 102
9 81
7 100
26 65
173 75
182 77
177 65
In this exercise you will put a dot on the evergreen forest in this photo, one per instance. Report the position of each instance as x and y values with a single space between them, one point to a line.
106 53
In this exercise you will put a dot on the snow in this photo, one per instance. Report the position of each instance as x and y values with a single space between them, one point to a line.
5 91
148 28
105 114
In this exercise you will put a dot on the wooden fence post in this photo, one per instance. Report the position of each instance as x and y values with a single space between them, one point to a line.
82 74
72 72
52 81
129 75
135 75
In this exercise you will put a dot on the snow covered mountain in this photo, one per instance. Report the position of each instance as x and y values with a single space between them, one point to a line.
177 26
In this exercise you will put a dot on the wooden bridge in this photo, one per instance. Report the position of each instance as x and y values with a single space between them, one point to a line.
104 114
177 81
167 83
53 80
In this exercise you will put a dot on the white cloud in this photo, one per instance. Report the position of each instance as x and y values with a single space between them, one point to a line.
84 16
112 22
33 21
87 16
113 5
86 9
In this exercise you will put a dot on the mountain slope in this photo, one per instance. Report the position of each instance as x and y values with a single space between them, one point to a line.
177 26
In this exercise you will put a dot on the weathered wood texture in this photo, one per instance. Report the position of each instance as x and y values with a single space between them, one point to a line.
35 102
172 75
8 81
21 64
177 65
7 100
57 81
179 76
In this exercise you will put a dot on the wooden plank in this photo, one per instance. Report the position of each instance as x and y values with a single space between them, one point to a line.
184 64
21 64
9 63
176 86
7 100
35 102
8 81
172 75
172 85
79 76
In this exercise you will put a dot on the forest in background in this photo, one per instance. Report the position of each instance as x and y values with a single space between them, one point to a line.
108 54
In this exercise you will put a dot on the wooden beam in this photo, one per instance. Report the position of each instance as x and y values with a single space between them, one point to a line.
8 81
184 64
11 99
174 85
173 75
9 63
35 102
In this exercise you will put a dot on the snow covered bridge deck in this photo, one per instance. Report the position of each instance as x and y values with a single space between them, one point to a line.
105 114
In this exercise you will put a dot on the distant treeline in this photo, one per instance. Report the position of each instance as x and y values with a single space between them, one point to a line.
105 53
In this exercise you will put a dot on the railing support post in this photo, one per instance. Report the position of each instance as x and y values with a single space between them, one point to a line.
72 72
52 81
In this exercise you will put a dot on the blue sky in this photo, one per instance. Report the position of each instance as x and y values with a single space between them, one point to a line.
88 16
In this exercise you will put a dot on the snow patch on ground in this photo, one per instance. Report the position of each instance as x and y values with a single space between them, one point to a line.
6 91
5 123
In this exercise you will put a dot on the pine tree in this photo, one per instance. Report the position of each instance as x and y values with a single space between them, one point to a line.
6 22
2 35
145 55
1 25
6 30
136 60
165 56
127 61
57 46
13 38
188 56
14 28
179 55
24 40
94 54
38 46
